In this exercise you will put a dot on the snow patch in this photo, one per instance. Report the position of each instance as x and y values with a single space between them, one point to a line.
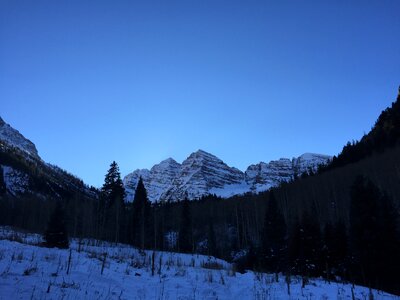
99 270
16 181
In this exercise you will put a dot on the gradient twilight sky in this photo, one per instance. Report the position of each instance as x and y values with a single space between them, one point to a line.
140 81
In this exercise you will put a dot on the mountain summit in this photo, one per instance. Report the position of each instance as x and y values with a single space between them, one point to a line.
13 138
23 172
203 173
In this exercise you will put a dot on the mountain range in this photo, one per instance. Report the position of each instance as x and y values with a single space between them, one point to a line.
23 172
203 173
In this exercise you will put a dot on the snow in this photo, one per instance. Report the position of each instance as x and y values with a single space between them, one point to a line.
203 173
230 190
33 272
15 181
14 138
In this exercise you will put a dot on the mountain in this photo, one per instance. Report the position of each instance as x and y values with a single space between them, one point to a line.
23 172
384 134
157 180
12 137
203 173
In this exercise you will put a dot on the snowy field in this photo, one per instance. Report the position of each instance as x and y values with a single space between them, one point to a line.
93 270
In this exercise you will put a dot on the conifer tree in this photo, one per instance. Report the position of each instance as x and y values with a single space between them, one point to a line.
273 239
2 183
389 246
327 250
56 233
364 232
340 249
211 240
295 250
140 223
185 228
311 245
335 250
113 206
305 248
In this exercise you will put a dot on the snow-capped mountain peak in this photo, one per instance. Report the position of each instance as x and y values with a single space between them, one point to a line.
14 138
202 173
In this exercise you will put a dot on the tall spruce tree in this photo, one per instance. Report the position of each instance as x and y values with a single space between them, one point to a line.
113 210
211 239
389 246
3 187
295 249
335 247
305 248
327 250
340 248
141 231
365 231
273 238
56 233
374 237
311 242
185 229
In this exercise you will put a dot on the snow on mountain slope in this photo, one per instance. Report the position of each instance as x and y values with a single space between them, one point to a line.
157 180
15 181
31 272
263 176
203 173
199 173
12 137
309 161
25 172
130 182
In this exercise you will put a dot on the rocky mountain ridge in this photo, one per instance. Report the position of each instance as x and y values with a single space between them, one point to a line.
14 138
203 173
24 173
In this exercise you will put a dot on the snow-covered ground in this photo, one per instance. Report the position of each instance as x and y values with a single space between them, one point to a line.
28 271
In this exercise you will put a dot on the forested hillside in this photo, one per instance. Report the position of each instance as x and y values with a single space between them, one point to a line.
340 223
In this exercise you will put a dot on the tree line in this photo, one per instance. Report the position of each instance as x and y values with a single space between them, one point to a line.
333 224
313 232
365 250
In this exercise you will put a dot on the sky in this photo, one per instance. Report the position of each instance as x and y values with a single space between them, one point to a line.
137 82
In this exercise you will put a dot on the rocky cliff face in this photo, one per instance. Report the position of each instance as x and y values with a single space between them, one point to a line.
203 173
200 173
13 138
263 176
195 177
309 161
22 171
157 180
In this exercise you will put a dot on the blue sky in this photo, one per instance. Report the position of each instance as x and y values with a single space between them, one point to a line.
139 81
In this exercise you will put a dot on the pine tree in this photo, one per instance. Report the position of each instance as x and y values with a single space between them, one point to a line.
56 233
311 243
389 246
185 229
113 206
294 253
273 239
140 223
327 250
340 249
211 240
3 188
374 237
305 248
364 230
